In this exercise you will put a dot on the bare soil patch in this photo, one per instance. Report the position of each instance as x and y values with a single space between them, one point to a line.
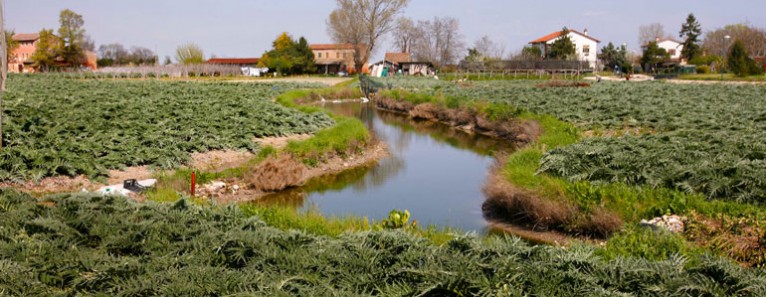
280 142
277 177
137 172
329 81
55 184
219 160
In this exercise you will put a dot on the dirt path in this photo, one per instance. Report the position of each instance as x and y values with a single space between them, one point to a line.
329 81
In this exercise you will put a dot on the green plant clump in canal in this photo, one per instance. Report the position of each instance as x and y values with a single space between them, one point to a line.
78 244
60 126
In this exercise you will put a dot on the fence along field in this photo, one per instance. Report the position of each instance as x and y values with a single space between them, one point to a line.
699 138
62 126
93 245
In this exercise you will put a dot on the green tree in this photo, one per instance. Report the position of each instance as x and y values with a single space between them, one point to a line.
473 55
740 62
190 53
289 56
611 55
691 31
46 52
72 37
653 56
10 46
563 48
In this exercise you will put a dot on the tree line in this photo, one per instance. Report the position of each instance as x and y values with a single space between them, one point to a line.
714 50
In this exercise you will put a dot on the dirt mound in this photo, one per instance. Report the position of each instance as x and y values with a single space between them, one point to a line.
564 84
277 173
518 132
507 203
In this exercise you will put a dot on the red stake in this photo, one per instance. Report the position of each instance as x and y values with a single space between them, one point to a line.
193 183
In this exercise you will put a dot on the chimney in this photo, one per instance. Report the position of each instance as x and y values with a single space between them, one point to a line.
585 31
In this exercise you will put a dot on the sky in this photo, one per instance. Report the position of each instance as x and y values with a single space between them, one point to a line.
246 28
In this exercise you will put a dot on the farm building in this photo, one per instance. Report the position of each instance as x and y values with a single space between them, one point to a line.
334 58
586 47
672 46
21 59
249 66
394 62
241 62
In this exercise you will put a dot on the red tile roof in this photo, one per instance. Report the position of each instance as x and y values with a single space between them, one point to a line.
235 61
327 47
398 57
26 36
556 34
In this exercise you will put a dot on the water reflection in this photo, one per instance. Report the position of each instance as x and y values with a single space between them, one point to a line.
434 171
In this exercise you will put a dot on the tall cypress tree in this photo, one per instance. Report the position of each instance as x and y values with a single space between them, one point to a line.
691 30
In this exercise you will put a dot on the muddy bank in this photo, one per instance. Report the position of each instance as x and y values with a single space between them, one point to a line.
521 209
518 132
279 174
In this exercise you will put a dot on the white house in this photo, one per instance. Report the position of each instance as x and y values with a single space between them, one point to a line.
586 46
672 46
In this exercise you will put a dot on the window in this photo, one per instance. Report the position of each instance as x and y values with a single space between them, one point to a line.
337 55
320 55
586 50
672 52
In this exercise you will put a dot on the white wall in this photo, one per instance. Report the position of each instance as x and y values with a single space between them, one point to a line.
672 46
580 43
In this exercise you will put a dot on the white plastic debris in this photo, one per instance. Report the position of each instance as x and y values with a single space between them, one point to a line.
120 190
672 223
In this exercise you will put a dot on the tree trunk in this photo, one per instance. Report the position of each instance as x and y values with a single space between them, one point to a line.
3 67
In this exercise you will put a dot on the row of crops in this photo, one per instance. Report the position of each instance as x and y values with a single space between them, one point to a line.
54 125
702 138
80 244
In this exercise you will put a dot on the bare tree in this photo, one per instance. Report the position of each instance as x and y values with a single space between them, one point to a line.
113 54
650 32
439 41
489 49
404 34
362 23
142 56
753 38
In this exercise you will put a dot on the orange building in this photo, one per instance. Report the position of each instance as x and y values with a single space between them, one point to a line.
21 59
334 58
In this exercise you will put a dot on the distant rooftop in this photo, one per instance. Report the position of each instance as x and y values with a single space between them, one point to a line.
327 47
556 34
26 36
235 61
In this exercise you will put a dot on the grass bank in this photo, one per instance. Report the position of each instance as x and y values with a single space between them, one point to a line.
607 210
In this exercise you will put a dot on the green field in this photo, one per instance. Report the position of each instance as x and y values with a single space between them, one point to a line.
53 125
705 139
78 244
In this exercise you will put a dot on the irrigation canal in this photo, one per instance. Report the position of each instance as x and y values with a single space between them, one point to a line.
434 171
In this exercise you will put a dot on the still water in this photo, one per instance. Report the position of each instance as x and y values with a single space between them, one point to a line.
432 170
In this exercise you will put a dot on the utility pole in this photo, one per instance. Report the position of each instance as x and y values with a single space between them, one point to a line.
3 66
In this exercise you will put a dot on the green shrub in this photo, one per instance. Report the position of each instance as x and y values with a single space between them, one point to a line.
703 69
